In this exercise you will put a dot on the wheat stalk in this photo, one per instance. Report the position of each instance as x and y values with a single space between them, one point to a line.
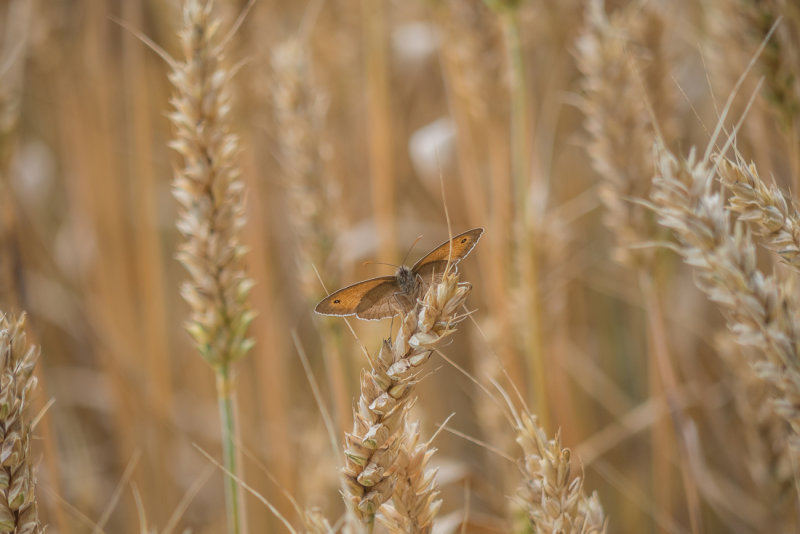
18 507
211 215
373 447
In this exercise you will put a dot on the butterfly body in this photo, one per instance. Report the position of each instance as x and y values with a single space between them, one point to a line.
406 280
386 296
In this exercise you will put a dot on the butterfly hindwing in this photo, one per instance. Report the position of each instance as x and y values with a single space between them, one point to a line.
346 301
462 244
430 273
384 301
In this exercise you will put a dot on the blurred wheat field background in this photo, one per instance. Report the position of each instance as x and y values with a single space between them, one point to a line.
630 361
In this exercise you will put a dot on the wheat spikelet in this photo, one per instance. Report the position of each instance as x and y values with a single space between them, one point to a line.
210 193
553 500
773 216
414 502
758 310
373 446
18 508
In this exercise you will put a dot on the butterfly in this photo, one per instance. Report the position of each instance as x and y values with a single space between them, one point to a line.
385 296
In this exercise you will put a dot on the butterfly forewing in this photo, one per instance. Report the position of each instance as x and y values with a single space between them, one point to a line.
347 300
462 244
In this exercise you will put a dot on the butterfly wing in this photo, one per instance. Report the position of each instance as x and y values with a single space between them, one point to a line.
346 301
384 301
430 273
460 245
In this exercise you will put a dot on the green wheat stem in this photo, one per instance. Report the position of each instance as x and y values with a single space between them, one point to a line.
227 425
527 254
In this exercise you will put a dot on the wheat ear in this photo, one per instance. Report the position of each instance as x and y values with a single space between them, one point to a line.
18 508
373 447
620 128
553 499
299 113
211 215
759 312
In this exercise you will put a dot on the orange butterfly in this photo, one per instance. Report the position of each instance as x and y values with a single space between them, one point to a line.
385 296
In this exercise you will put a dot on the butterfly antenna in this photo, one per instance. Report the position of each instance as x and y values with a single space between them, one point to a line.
405 258
370 262
446 214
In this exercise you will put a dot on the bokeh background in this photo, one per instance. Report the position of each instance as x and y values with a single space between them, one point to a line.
353 117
